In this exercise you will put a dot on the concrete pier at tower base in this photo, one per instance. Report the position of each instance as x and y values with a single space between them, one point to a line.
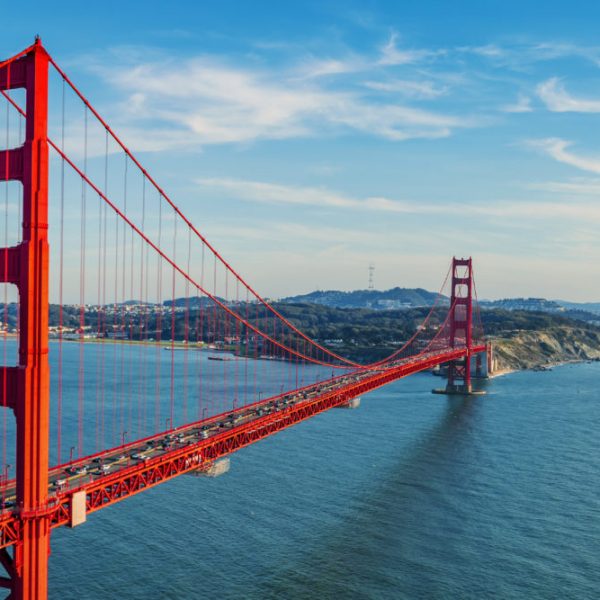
458 390
354 403
215 469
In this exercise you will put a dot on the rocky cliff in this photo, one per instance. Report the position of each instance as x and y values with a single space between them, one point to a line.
528 349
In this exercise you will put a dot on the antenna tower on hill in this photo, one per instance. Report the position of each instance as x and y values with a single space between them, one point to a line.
371 276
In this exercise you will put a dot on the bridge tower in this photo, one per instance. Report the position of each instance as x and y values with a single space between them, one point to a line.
27 387
461 325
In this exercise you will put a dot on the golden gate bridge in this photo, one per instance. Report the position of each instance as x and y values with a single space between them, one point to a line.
152 294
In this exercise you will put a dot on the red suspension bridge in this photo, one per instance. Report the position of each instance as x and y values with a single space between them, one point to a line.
189 363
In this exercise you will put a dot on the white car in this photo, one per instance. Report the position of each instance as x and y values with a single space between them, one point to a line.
140 456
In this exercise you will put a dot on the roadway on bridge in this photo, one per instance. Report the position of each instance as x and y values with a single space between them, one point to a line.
78 474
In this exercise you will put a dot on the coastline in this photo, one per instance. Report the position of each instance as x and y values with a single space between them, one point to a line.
548 367
547 348
522 351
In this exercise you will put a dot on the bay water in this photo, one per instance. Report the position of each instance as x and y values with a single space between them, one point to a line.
410 496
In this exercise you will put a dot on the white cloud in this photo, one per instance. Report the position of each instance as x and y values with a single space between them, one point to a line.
274 193
522 105
558 149
530 212
209 102
316 67
489 51
391 55
172 103
533 212
281 232
331 254
556 50
411 89
518 56
579 186
557 99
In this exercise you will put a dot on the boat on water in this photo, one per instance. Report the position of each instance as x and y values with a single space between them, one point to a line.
176 348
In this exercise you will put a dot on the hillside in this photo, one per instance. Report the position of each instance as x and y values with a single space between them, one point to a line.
374 299
523 338
591 307
528 349
588 312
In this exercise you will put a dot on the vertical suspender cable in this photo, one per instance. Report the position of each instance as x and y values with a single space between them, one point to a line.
103 329
172 382
124 404
186 329
60 288
130 337
201 324
143 324
158 321
80 431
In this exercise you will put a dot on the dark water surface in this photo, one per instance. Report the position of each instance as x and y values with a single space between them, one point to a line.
411 496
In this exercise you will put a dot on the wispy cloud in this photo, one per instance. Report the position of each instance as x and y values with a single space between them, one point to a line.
533 212
557 99
221 99
391 55
488 51
280 194
318 67
557 149
282 231
425 90
212 102
555 50
518 56
578 186
522 105
510 225
274 193
217 99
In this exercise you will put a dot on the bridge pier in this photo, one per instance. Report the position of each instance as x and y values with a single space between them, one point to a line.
491 361
78 509
458 384
351 404
484 363
214 469
458 390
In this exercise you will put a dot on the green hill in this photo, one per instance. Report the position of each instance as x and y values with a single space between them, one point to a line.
396 298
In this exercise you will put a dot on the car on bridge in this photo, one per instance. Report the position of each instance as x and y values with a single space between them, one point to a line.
139 456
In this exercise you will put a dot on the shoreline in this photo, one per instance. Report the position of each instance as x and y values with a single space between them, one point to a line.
180 345
548 366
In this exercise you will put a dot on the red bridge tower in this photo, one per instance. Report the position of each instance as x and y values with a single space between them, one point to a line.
461 325
27 385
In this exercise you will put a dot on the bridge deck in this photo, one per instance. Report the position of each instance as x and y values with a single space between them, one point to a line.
126 470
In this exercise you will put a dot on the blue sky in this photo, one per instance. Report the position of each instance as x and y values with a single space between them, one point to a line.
309 139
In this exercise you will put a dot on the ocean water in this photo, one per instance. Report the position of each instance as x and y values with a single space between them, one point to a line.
411 496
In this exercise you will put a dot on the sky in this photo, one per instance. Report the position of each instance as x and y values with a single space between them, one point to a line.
310 139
